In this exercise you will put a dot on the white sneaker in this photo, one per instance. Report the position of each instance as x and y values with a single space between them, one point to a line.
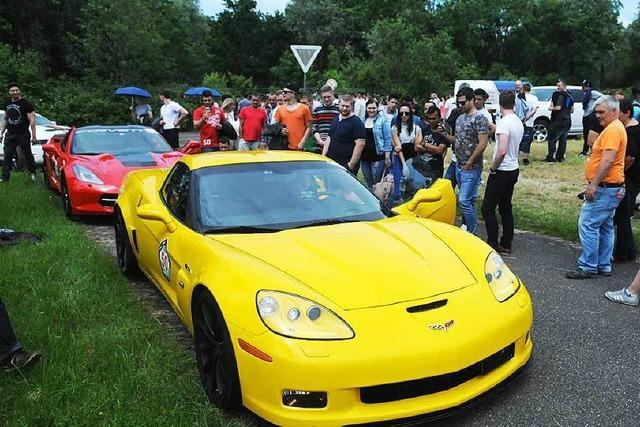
623 296
463 227
33 177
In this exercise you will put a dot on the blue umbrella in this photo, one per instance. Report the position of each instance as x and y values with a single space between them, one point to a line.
197 91
132 91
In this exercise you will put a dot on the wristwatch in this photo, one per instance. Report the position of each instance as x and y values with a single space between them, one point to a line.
492 170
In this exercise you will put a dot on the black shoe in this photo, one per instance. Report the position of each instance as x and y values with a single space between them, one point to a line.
604 273
20 359
559 160
502 250
580 274
526 162
549 160
583 154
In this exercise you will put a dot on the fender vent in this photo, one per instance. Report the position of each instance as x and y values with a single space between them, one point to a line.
427 307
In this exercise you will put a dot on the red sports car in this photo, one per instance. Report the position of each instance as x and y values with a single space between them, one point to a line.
87 165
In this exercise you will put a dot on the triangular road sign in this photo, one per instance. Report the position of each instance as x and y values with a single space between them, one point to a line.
305 54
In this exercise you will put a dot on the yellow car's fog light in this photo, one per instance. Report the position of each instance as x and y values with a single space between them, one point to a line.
501 280
297 317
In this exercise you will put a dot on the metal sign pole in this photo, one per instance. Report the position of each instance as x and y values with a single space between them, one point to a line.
304 83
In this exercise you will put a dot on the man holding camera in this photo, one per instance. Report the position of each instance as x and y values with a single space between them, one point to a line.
604 171
208 120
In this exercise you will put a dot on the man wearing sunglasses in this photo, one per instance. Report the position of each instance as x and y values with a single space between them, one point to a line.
470 141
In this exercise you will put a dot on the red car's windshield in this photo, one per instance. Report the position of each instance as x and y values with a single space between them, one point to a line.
118 141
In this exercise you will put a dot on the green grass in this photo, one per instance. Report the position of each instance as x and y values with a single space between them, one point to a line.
105 359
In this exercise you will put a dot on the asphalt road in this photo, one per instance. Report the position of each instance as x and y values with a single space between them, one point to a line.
585 368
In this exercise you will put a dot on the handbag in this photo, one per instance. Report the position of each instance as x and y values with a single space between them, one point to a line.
383 189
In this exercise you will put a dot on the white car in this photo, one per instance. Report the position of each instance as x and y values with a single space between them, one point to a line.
45 129
542 118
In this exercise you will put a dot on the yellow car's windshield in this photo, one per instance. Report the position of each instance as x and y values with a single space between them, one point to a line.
273 196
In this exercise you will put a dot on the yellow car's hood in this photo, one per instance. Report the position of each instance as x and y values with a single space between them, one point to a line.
365 264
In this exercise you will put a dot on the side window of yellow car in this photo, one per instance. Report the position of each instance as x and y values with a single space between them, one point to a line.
175 191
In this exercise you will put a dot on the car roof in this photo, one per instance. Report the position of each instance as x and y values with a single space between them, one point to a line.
554 87
204 160
114 127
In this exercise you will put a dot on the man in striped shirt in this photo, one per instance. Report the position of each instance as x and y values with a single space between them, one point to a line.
322 118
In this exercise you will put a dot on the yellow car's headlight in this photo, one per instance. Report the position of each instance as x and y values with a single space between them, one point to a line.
501 280
297 317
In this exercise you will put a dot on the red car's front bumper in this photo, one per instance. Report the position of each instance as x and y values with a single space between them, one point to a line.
91 199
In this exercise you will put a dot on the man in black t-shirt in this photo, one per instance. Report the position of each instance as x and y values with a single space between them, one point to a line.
19 117
561 108
434 145
346 137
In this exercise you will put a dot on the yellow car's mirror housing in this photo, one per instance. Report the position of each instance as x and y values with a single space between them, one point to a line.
151 213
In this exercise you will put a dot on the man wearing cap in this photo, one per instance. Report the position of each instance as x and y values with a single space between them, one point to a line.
295 118
604 171
589 120
561 107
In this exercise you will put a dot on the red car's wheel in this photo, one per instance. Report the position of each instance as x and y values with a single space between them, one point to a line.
214 352
66 200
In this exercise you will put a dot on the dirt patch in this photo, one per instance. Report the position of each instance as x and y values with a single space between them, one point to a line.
101 231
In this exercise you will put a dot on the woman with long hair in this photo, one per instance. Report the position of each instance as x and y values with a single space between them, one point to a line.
405 136
376 155
228 106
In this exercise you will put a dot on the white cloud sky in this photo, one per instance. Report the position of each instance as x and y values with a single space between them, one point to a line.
212 7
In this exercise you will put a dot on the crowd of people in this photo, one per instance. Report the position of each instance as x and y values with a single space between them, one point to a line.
390 136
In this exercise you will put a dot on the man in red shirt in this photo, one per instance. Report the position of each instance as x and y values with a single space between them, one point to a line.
253 119
208 119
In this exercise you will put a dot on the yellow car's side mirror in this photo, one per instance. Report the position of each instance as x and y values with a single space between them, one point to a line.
437 202
153 214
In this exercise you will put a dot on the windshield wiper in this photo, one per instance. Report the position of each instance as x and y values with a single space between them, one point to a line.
240 229
327 222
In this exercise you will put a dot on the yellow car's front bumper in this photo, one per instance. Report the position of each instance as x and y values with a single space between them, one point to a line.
386 364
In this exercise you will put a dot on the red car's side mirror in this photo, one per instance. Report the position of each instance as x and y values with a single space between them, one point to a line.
191 147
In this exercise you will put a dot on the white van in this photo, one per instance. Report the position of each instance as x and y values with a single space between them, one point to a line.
492 87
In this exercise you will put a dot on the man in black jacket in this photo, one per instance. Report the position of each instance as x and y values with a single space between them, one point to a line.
12 355
561 107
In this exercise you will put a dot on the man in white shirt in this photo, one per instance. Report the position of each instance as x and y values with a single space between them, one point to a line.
360 107
527 137
480 96
503 175
171 113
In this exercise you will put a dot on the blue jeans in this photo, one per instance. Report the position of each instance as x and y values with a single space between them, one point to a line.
595 228
450 174
468 183
372 171
398 180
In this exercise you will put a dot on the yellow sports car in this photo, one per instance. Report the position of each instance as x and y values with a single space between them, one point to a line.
311 303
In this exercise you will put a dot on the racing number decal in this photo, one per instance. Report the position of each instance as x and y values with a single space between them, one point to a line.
165 261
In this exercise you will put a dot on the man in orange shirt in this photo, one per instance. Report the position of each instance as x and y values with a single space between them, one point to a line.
604 172
295 117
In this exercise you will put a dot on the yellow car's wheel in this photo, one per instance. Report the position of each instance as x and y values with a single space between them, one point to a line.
214 352
126 258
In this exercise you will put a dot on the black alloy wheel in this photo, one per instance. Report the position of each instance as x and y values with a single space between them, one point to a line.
66 200
214 353
127 261
45 172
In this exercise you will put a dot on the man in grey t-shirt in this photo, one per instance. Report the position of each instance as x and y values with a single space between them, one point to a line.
470 141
